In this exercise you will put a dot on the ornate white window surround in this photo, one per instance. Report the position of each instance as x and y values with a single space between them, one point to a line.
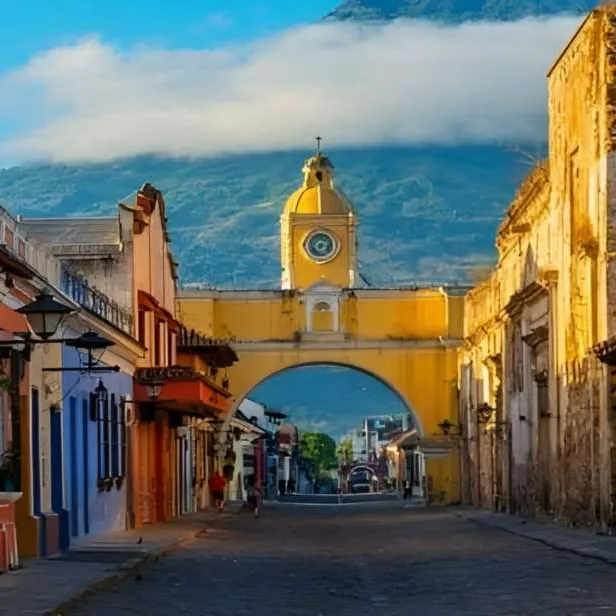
323 296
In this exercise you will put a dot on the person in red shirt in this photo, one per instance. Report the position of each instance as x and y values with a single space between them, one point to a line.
217 490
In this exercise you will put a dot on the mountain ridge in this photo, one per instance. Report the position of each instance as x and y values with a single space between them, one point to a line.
425 213
416 224
455 11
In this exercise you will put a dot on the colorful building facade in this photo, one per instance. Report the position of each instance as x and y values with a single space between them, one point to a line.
103 453
179 389
39 411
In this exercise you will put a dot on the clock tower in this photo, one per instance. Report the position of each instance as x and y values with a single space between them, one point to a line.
318 242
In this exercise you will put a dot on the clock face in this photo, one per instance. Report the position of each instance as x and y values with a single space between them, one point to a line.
321 245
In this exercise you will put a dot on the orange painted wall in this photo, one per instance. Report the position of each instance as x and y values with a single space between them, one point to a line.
152 453
27 526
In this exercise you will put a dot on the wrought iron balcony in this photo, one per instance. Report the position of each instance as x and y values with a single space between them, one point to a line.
77 288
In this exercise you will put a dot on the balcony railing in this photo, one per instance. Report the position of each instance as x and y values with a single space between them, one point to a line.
77 287
216 352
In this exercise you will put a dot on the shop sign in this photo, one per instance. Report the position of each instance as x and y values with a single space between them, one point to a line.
166 373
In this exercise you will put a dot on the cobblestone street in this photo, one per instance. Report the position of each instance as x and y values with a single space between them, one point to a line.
361 560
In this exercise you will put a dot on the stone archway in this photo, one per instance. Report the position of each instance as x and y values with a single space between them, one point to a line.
422 375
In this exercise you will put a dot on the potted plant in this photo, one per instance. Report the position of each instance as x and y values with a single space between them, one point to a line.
9 470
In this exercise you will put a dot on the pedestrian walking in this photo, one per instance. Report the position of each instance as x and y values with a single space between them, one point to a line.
217 490
407 490
252 495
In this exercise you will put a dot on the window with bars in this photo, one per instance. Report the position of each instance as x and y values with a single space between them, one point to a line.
99 412
122 454
95 416
105 450
170 348
114 438
109 414
157 342
141 327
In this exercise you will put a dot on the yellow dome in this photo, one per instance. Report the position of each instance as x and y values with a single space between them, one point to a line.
318 195
317 200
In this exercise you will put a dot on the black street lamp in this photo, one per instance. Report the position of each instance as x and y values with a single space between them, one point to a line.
154 390
87 343
449 428
45 315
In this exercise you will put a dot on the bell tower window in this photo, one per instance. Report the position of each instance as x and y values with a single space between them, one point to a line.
319 176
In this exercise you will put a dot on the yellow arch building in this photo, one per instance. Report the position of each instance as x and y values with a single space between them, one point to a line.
406 338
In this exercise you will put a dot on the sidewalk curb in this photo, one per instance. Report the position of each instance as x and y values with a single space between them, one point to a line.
124 571
554 543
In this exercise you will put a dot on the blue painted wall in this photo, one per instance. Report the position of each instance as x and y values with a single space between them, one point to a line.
90 511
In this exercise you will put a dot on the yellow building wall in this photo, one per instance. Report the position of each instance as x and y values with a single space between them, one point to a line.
424 316
322 321
443 476
455 316
420 317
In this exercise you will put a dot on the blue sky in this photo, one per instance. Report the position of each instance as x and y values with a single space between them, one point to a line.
30 26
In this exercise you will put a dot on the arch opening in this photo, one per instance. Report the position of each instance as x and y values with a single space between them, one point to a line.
252 392
345 423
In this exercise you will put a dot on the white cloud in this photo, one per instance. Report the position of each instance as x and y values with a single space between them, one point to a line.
402 82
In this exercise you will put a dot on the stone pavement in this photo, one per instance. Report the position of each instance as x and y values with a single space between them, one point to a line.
577 541
49 586
360 561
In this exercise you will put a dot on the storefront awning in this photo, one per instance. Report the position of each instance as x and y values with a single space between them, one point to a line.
247 427
409 438
182 390
11 321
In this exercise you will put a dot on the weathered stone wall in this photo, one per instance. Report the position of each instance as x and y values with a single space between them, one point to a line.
556 284
496 319
580 142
